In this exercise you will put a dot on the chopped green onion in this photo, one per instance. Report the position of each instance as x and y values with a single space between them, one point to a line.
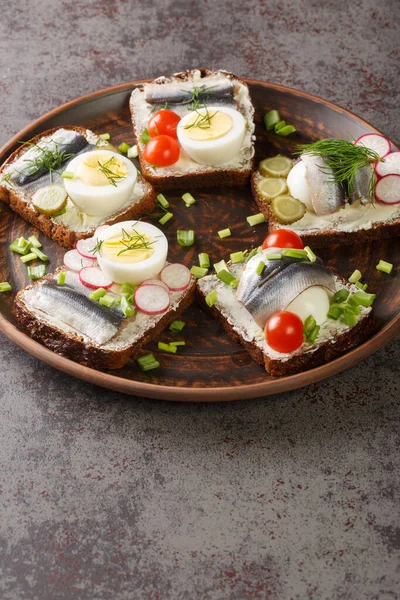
271 119
20 246
178 343
128 288
132 152
68 175
188 199
37 272
309 324
361 286
147 362
105 136
385 267
107 300
97 294
185 237
128 309
364 298
161 199
5 286
284 131
355 276
255 219
334 312
279 125
224 233
124 147
312 336
349 318
198 272
165 218
234 283
250 255
225 276
310 254
145 137
340 296
273 256
40 254
204 260
177 326
237 257
61 277
293 253
220 266
260 267
212 298
28 257
34 241
167 347
353 308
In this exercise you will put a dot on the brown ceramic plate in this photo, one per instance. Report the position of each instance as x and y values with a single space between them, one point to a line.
210 367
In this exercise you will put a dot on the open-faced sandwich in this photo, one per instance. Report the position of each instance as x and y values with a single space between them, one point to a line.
194 129
288 311
114 294
336 192
67 182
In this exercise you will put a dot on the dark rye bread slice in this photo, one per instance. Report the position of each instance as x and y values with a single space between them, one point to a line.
203 176
75 347
66 236
327 237
300 361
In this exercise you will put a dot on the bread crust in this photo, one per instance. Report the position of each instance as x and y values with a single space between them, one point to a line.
199 179
59 233
298 363
325 239
75 348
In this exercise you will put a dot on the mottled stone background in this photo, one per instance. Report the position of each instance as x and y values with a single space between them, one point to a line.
112 497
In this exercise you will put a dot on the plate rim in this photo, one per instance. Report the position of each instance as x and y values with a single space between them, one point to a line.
193 394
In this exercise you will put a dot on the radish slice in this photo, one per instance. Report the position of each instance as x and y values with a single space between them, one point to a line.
390 166
94 278
85 247
376 142
75 261
152 299
387 190
99 230
176 277
156 282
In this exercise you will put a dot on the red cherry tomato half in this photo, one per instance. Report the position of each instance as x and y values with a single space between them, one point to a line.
284 331
163 122
283 238
161 151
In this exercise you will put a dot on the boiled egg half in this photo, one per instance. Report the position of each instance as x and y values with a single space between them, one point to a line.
102 182
298 186
212 135
132 251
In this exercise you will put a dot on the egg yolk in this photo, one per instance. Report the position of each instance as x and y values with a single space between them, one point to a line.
206 125
99 169
128 248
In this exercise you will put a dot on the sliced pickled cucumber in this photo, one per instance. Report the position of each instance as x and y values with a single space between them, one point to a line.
277 166
271 187
287 209
50 200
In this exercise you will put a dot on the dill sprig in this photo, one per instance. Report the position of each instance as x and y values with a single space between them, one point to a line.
157 107
96 249
112 177
343 158
134 241
7 178
49 160
203 119
197 91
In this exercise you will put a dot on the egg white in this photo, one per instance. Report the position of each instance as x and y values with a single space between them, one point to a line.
104 200
220 150
297 184
134 273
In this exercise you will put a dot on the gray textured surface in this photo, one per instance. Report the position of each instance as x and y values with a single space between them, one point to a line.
111 497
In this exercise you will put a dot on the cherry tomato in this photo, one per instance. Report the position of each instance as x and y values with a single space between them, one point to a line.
161 151
283 238
163 122
284 331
